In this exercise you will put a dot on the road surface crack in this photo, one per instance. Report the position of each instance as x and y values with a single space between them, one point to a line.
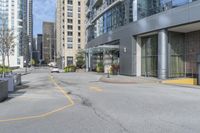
100 114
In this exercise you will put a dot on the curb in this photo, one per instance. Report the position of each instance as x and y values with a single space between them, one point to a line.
182 85
115 82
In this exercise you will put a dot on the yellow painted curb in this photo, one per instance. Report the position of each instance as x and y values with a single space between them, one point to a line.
71 103
186 81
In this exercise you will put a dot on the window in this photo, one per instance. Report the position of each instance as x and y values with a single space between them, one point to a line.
79 40
79 27
69 21
69 14
70 8
79 3
79 34
69 60
69 45
79 9
79 46
79 15
69 33
69 27
69 39
70 2
79 21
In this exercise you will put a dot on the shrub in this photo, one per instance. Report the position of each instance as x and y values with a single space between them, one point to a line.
5 70
80 59
114 69
70 68
100 67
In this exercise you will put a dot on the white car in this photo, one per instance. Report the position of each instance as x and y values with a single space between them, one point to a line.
55 70
52 64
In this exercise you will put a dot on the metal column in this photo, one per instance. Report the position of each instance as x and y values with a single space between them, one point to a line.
162 54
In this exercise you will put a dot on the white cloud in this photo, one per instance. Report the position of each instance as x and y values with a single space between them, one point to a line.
43 10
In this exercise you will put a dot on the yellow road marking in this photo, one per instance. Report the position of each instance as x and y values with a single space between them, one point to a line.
95 88
71 103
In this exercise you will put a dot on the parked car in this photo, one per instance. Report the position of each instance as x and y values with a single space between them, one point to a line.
55 70
52 64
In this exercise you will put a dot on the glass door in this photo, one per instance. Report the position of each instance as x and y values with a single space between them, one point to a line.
150 56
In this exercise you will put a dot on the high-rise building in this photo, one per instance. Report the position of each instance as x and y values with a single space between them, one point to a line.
70 30
35 52
18 15
40 46
48 42
152 38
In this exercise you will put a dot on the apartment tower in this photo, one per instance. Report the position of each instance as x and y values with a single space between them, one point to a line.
150 38
18 17
48 42
70 30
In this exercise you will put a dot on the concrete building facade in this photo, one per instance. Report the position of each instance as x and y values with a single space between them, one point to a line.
18 14
48 42
70 30
154 38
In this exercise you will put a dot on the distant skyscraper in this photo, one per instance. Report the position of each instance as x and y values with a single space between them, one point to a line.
70 30
40 45
18 14
48 41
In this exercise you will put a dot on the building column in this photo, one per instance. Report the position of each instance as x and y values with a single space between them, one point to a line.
107 61
88 60
138 57
162 54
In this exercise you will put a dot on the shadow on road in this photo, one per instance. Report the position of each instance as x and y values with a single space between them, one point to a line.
14 95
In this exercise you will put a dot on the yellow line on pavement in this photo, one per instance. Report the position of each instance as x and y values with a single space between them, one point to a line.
95 88
71 103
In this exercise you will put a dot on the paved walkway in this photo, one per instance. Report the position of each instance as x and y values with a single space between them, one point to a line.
120 79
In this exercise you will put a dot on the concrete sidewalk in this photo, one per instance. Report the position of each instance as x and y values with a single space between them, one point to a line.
120 79
22 71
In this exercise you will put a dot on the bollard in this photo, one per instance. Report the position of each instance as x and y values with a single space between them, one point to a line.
108 75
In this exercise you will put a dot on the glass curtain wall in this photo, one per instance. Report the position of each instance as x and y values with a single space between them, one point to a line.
111 19
150 7
184 48
177 55
192 50
149 56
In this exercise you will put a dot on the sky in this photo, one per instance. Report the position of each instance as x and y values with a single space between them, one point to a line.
43 10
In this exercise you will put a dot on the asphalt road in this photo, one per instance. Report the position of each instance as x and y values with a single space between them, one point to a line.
79 103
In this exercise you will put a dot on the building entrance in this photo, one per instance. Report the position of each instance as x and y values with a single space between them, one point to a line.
149 56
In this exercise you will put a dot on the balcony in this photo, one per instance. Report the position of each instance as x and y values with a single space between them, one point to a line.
88 24
87 2
88 11
97 3
98 13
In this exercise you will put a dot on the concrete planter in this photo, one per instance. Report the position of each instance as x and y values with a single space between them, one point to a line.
10 82
17 79
3 90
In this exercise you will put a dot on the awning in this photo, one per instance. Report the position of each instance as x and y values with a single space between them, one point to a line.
104 48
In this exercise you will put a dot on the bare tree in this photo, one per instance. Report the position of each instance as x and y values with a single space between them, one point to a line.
9 44
2 41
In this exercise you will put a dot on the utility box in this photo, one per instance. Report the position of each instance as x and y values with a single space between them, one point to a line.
198 69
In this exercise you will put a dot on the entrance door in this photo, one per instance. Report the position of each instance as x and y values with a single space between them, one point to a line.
150 56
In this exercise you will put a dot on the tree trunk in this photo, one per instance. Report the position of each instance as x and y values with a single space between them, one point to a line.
3 59
8 60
